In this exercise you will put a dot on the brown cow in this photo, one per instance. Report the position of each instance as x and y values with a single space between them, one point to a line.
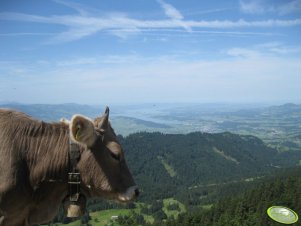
35 162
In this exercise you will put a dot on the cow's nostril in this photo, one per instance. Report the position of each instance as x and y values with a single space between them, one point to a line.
137 192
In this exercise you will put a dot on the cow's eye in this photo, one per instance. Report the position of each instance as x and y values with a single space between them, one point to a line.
100 133
115 156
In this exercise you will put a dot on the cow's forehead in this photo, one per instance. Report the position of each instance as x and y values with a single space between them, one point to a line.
98 121
110 131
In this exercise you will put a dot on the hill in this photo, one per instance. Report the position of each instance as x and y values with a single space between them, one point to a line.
246 208
250 207
167 165
197 168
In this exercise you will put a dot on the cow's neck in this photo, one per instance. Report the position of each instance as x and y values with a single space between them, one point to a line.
48 157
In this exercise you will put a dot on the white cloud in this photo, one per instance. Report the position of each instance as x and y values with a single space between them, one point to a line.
252 7
121 25
286 50
264 6
278 48
124 32
171 11
77 7
242 52
253 77
290 7
208 11
27 34
244 23
78 61
174 15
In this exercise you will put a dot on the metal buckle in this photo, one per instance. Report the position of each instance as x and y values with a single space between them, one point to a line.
74 186
73 178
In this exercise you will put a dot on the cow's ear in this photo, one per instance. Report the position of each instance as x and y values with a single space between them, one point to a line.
82 130
105 120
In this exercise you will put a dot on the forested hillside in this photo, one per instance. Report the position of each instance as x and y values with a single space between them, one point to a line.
168 165
196 171
249 209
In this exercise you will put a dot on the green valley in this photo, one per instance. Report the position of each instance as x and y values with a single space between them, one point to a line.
180 173
204 164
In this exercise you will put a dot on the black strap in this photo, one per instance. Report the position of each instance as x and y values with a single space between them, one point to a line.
73 175
74 155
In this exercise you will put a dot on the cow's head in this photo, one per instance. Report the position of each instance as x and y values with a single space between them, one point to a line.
102 165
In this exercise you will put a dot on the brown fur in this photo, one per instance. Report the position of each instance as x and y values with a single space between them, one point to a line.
34 165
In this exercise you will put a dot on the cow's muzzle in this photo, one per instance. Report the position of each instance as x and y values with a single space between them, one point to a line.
130 194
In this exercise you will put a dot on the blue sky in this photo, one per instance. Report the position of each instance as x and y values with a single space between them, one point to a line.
137 51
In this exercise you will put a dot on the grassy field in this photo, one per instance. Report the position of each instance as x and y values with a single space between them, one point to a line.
103 218
100 218
206 207
147 218
170 170
173 213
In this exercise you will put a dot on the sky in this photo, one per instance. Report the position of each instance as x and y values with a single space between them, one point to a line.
150 51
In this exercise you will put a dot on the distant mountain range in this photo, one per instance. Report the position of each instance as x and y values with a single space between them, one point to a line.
49 112
278 126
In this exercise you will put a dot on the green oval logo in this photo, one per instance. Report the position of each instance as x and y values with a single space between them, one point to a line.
282 215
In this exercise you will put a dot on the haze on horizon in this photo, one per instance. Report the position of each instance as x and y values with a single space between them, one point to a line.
94 52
